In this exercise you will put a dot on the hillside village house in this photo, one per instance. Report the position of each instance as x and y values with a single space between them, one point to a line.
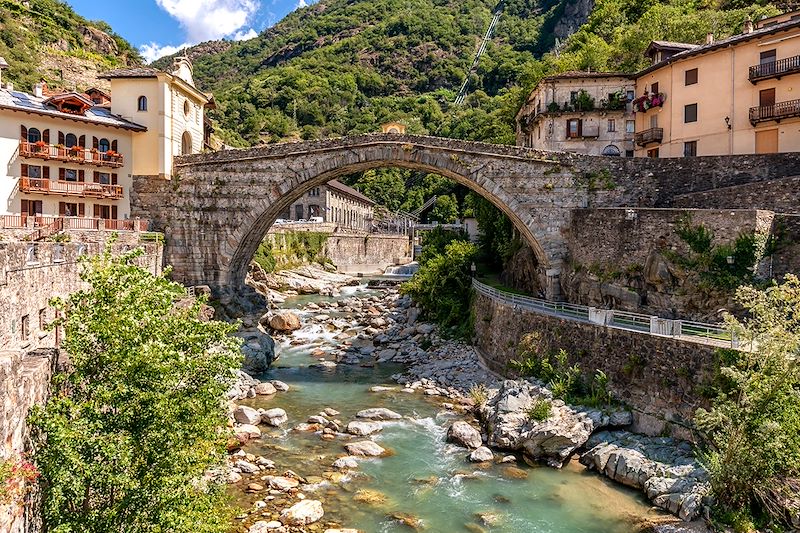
584 112
70 156
336 203
739 95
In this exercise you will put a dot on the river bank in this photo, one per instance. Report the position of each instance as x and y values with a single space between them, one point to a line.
314 454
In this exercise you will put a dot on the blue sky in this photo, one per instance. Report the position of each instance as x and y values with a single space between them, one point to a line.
162 27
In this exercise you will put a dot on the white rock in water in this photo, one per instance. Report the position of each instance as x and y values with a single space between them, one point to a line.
262 526
281 482
246 467
363 429
464 434
265 389
234 477
246 415
248 430
343 463
280 385
274 417
481 455
379 413
302 513
365 448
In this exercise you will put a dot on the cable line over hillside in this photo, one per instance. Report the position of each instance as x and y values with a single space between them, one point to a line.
462 92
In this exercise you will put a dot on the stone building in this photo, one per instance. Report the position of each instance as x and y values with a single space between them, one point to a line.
71 155
733 96
583 112
335 203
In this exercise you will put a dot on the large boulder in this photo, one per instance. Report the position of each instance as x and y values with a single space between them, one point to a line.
274 417
363 429
285 321
365 448
246 415
378 413
259 352
465 435
302 513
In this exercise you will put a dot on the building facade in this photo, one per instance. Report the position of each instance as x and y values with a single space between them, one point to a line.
335 203
582 112
739 95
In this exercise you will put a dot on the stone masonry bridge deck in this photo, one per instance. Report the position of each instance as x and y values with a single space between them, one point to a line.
219 205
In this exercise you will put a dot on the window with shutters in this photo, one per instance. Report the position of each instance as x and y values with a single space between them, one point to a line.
102 211
34 135
105 178
71 209
612 125
103 145
574 128
630 126
68 174
32 171
690 77
70 140
690 113
31 207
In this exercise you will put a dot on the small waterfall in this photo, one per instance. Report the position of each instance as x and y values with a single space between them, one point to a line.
402 271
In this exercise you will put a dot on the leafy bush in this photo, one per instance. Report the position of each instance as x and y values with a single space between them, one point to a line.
436 240
139 415
540 410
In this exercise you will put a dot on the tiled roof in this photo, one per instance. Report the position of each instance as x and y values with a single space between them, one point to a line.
583 74
341 187
132 72
19 101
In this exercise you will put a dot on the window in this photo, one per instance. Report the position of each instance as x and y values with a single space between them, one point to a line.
31 207
690 149
70 140
612 125
573 96
654 88
690 77
105 211
653 153
298 212
654 121
103 178
42 319
67 209
186 143
767 57
766 98
573 128
630 95
628 153
26 327
69 174
186 107
690 113
611 151
103 145
34 172
630 126
141 104
34 135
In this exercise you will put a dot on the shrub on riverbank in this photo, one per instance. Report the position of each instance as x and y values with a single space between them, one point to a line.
283 251
753 428
138 417
443 287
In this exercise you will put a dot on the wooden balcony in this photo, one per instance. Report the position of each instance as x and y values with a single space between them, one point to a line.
775 69
71 188
777 112
73 223
653 135
76 154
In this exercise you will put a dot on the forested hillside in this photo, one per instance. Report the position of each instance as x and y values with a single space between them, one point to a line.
343 66
46 39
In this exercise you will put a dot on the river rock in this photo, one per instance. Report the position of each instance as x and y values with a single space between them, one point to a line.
274 417
282 483
262 526
465 435
481 455
246 415
265 389
362 429
258 351
279 385
247 467
347 530
379 413
347 462
365 448
248 430
284 321
303 513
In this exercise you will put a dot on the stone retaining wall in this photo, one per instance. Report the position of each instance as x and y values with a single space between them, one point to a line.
779 195
660 378
367 253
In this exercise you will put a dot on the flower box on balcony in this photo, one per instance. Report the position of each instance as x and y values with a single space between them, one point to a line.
649 101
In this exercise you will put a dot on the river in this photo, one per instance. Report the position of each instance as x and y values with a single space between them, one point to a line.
425 483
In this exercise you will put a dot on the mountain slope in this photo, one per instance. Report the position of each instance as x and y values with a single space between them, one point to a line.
46 39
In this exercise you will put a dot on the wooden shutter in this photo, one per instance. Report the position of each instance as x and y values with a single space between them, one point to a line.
580 127
82 141
62 209
46 173
96 177
46 136
97 211
23 133
114 212
113 179
24 207
81 210
60 137
61 174
24 170
95 143
81 175
114 145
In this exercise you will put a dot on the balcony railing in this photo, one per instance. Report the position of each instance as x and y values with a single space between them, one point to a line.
74 223
776 112
653 135
71 188
775 69
76 154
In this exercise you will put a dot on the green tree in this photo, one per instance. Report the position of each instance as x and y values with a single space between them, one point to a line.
386 186
754 424
445 210
139 415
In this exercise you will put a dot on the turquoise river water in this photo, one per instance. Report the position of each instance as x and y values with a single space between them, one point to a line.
425 480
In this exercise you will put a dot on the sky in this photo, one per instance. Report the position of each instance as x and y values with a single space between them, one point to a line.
162 27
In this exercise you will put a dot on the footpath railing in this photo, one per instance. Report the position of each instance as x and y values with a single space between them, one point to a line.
684 329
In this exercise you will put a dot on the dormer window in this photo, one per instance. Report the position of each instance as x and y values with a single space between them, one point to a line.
142 103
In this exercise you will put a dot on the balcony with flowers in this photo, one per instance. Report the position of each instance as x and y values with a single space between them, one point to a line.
73 154
649 101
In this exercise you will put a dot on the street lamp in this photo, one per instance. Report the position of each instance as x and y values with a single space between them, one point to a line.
473 268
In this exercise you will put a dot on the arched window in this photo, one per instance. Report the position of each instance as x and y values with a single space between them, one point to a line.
142 103
186 107
34 135
186 143
103 146
70 140
611 150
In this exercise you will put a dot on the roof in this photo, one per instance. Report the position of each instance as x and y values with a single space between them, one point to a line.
579 74
28 103
341 187
131 72
723 43
669 45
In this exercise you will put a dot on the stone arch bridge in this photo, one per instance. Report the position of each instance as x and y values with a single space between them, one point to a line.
218 206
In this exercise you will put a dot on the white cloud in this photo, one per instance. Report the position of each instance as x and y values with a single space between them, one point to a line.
301 3
242 35
204 20
151 52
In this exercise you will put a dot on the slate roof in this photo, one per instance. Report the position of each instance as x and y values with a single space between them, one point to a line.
132 72
19 101
341 187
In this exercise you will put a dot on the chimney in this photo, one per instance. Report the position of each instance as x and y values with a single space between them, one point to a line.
9 86
748 25
709 38
38 90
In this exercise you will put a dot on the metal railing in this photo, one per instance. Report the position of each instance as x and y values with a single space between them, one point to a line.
775 69
74 154
652 135
612 318
777 111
